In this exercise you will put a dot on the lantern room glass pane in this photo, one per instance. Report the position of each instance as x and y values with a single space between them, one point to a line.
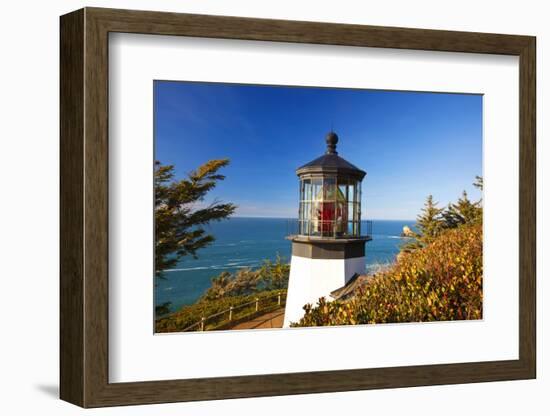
327 218
329 189
353 212
317 206
340 215
307 190
307 211
330 206
304 213
351 192
303 227
316 187
343 190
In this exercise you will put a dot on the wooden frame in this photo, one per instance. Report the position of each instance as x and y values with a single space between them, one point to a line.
84 207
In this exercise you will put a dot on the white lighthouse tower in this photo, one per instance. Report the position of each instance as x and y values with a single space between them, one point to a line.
329 249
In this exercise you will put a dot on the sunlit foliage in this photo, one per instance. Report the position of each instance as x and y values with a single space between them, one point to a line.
192 314
179 221
271 275
441 281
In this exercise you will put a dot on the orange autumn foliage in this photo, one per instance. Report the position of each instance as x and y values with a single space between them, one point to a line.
439 282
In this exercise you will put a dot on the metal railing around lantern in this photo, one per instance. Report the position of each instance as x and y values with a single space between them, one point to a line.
294 227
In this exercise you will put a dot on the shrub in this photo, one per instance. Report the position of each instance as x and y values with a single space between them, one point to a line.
189 315
439 282
228 290
271 275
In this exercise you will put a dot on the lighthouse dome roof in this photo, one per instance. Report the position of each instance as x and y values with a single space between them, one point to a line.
331 163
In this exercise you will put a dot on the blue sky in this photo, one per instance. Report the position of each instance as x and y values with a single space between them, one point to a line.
411 144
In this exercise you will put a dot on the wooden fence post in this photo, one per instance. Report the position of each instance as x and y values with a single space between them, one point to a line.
279 299
202 323
230 312
257 300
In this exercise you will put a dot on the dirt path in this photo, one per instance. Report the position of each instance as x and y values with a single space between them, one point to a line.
269 320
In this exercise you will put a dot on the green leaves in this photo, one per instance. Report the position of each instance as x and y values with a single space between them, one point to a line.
463 212
433 220
270 276
429 221
178 230
191 314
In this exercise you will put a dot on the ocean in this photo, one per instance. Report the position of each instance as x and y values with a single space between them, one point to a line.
246 242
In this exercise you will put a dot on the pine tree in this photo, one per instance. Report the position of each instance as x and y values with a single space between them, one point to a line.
429 224
478 182
433 220
178 225
479 185
462 212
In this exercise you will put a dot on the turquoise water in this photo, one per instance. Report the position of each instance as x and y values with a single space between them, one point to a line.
245 242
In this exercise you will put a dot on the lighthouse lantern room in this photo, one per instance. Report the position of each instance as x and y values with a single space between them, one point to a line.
328 249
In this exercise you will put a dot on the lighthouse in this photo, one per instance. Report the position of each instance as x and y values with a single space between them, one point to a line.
328 250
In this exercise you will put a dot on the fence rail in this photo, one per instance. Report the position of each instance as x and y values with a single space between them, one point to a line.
201 325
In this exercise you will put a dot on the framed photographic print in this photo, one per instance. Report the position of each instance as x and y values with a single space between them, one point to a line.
255 207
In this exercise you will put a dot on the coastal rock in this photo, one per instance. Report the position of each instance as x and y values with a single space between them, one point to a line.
407 232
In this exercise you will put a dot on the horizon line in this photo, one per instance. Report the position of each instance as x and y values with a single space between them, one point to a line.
296 218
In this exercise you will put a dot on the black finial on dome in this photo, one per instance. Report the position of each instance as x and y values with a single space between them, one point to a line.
332 140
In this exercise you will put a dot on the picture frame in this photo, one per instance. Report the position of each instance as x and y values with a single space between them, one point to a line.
84 216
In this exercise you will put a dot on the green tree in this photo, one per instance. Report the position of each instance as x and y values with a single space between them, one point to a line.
429 224
275 274
178 223
220 286
429 221
462 212
272 275
478 183
243 282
